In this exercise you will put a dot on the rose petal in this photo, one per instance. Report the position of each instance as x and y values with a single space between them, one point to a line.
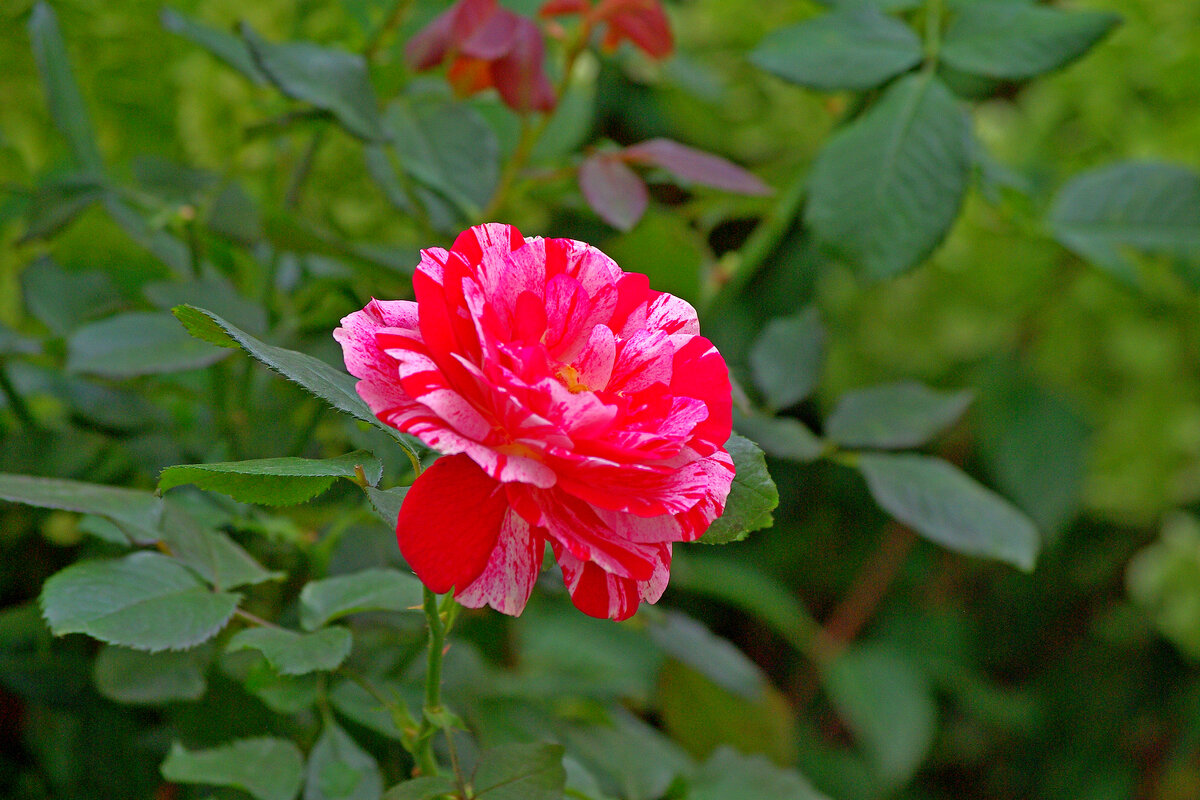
507 581
450 522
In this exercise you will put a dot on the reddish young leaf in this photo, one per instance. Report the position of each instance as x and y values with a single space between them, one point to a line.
488 46
558 8
695 165
642 22
519 76
613 190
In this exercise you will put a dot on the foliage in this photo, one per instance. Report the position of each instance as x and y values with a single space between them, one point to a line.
950 250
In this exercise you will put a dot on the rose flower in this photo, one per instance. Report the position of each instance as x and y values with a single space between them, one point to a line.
574 405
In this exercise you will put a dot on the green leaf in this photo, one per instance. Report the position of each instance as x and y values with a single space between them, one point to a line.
338 769
387 502
944 505
782 437
136 513
520 772
323 601
894 416
430 787
169 249
1015 41
689 642
62 92
273 481
267 768
284 694
320 379
200 324
1109 215
448 147
786 358
57 204
851 47
64 299
225 46
212 554
701 715
292 653
145 601
889 705
213 291
332 80
136 343
137 678
747 588
752 497
356 703
728 774
885 190
633 759
1034 446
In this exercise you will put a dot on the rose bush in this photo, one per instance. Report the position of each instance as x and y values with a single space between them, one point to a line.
574 405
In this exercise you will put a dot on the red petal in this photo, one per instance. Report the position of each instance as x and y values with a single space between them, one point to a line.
450 522
596 592
613 190
471 243
696 166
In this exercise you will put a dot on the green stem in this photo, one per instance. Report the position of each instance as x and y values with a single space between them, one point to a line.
390 24
738 268
303 169
530 134
16 402
426 762
933 33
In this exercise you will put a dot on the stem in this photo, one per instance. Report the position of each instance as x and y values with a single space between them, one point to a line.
933 33
868 590
530 134
529 137
390 24
740 267
303 169
16 402
426 763
744 264
254 619
857 608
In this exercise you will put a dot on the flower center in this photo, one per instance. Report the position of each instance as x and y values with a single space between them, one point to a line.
570 378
